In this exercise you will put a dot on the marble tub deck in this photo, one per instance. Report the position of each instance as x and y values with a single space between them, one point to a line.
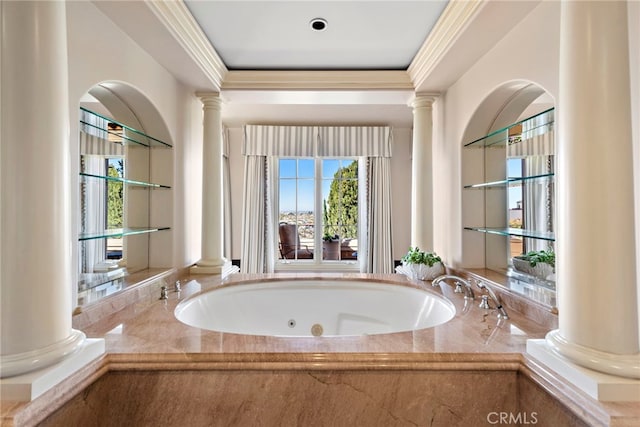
148 348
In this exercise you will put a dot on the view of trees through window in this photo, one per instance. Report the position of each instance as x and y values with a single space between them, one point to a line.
115 196
336 210
115 205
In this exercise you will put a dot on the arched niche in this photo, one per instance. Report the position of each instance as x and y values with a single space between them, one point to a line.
142 206
490 206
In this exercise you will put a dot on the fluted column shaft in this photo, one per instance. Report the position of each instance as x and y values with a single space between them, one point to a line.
596 271
422 174
212 259
36 234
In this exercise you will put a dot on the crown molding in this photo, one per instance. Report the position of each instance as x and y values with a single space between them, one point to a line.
175 16
451 24
317 80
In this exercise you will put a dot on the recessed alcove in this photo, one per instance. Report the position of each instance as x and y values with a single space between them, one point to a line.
125 197
503 192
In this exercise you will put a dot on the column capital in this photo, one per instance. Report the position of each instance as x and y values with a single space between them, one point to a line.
423 100
210 100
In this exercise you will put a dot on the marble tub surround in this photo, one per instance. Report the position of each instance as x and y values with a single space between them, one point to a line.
138 330
539 307
140 288
290 398
148 349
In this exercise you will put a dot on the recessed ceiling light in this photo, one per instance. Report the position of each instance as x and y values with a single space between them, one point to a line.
318 24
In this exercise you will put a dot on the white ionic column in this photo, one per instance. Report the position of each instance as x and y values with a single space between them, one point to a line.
212 260
596 271
36 236
422 174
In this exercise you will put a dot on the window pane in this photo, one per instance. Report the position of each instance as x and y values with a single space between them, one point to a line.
287 168
287 196
330 167
340 210
306 213
306 168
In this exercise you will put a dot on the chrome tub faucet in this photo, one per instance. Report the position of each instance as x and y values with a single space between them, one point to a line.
494 298
459 281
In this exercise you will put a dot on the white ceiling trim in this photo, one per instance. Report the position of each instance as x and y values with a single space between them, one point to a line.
451 24
175 16
328 80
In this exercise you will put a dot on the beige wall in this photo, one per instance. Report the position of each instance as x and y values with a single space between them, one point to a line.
518 56
400 181
529 52
99 51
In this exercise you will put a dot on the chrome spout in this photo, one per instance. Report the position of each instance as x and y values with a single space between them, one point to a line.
468 291
494 298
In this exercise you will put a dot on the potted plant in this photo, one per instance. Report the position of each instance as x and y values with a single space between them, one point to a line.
330 246
540 264
420 265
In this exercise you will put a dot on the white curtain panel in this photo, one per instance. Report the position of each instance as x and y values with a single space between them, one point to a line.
534 193
380 251
94 205
226 189
272 214
253 215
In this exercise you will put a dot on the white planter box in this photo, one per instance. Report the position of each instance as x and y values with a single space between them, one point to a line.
542 270
421 271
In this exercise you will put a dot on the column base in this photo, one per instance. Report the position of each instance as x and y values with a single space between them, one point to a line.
224 269
27 387
601 386
18 364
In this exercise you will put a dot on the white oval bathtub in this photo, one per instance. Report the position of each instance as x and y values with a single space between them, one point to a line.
301 308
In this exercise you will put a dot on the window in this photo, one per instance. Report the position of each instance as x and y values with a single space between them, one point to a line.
114 205
318 191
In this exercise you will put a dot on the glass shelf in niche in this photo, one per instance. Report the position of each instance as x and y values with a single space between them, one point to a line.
531 234
126 181
514 182
133 136
120 232
501 137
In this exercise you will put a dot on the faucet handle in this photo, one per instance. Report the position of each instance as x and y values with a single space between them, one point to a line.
458 287
485 302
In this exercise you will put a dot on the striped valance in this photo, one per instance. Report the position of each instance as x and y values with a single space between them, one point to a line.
322 141
354 141
95 145
538 145
290 141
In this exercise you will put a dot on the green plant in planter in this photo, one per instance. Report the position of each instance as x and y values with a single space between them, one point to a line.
535 257
416 256
330 238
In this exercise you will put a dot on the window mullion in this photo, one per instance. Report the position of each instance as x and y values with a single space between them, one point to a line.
317 229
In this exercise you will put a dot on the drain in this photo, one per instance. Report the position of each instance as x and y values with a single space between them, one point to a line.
291 323
316 330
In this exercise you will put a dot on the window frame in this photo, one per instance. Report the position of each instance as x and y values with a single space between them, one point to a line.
317 263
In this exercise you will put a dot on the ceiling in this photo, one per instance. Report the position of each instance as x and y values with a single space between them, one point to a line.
271 68
359 35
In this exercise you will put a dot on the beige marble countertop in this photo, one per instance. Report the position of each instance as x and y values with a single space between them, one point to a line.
149 327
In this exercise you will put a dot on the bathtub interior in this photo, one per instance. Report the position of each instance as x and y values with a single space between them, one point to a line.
315 308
